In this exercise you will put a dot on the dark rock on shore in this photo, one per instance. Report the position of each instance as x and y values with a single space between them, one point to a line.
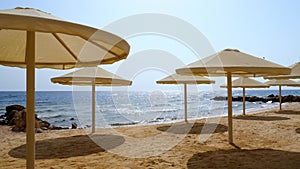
74 126
272 98
19 121
53 127
16 116
10 112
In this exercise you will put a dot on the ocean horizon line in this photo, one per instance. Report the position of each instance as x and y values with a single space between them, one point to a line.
150 90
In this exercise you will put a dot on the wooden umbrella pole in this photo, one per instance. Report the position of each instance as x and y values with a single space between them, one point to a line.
280 99
185 103
229 99
244 101
93 107
30 100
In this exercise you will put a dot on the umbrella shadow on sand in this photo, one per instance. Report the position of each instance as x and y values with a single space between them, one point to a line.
261 118
291 112
73 146
235 158
194 128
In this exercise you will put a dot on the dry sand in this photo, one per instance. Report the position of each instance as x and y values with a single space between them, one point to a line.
270 139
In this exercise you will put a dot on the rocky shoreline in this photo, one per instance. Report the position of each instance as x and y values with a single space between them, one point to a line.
15 116
271 98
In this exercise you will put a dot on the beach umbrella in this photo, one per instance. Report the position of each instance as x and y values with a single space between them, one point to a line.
178 79
245 82
232 62
280 83
30 38
295 73
91 77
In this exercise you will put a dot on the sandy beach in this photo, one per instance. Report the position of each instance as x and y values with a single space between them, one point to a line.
268 139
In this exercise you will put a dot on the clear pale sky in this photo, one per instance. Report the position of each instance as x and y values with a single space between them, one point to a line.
268 28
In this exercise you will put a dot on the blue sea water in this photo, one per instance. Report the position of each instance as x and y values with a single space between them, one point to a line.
62 108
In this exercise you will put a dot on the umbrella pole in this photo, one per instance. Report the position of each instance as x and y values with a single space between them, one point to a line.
244 100
93 107
280 98
229 99
185 103
30 100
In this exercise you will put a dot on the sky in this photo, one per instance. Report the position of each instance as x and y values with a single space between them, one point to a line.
268 29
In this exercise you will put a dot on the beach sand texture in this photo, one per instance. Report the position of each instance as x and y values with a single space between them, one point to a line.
269 139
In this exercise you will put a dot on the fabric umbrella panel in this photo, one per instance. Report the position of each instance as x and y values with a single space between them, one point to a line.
30 38
295 73
231 62
92 76
185 80
245 82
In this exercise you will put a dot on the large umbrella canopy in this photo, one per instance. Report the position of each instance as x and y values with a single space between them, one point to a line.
91 77
244 82
58 43
295 73
178 79
280 83
35 39
232 62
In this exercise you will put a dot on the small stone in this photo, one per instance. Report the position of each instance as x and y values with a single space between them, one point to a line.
74 126
44 128
38 130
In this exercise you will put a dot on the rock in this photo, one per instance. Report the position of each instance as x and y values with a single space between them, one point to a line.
14 107
38 130
19 120
254 99
15 114
10 111
72 118
17 129
3 120
53 127
271 98
44 128
74 126
42 123
219 98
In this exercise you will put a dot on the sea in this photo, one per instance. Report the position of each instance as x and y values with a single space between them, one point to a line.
119 108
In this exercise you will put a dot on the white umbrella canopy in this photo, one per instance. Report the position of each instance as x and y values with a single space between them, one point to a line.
295 73
245 82
179 79
235 62
58 43
88 75
30 38
92 76
279 83
232 62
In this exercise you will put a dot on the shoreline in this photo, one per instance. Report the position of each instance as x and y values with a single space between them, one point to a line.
266 139
137 124
62 114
